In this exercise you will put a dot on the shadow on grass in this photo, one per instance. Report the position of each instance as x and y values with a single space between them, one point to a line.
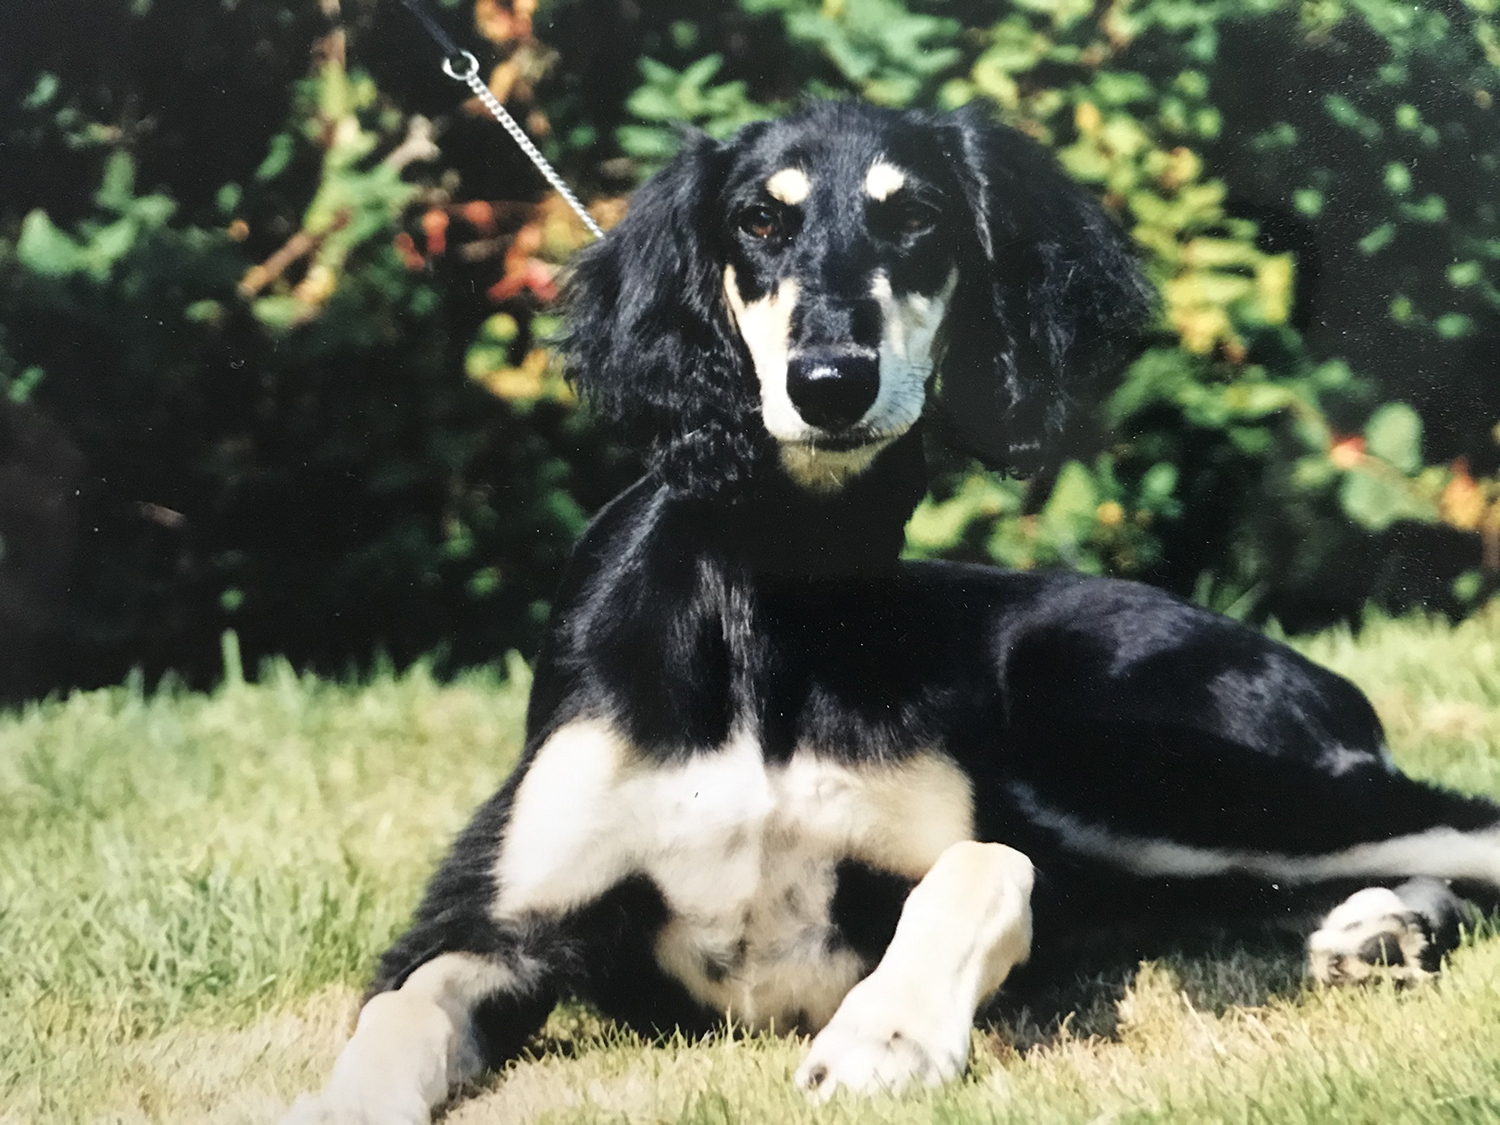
1036 1007
1214 975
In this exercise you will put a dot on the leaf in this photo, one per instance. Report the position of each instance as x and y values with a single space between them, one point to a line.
1377 240
701 71
1468 586
1431 209
1121 88
1160 375
152 211
654 104
1375 502
1453 326
1158 483
657 73
277 312
22 385
1258 399
118 185
278 156
204 312
1308 201
45 250
1461 275
484 358
43 92
108 245
1014 48
1394 434
647 143
1347 114
1069 511
501 328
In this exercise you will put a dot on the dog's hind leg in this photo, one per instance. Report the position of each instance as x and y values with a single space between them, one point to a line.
1400 932
1263 837
962 930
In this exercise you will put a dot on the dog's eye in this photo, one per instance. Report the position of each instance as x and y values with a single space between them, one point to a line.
901 218
760 221
912 217
915 219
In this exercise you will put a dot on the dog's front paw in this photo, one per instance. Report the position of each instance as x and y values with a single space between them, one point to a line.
876 1043
329 1109
1378 932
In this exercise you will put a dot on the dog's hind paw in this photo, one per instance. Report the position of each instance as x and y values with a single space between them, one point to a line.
1398 934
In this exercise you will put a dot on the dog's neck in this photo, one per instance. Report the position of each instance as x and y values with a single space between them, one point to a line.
778 526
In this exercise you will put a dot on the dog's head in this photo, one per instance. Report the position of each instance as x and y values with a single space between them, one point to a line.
791 293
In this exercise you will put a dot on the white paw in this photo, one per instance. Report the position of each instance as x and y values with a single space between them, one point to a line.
329 1109
876 1044
1372 933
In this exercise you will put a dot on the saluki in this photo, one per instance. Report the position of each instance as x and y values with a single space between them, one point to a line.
774 773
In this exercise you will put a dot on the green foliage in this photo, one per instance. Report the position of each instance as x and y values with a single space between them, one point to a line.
100 245
279 430
302 344
669 99
887 52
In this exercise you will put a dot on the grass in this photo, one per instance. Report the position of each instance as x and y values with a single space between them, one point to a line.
193 886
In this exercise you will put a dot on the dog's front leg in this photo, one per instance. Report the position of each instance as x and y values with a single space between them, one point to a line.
962 930
411 1047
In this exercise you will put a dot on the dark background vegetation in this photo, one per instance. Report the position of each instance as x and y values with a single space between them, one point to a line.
273 302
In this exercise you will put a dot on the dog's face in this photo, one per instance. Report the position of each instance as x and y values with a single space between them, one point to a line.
840 268
794 299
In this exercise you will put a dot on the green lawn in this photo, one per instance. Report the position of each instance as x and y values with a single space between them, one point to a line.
192 888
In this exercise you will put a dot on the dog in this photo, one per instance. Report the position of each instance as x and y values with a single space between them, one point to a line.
774 773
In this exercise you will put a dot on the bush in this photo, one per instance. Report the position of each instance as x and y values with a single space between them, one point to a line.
261 354
288 300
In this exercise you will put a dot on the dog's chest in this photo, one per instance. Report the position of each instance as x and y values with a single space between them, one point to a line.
744 853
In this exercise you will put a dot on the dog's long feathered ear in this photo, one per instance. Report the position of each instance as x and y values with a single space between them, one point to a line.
1050 302
649 345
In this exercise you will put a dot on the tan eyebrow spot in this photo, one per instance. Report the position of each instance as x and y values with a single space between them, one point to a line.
790 185
883 180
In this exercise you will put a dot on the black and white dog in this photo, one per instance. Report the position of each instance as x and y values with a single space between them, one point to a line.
774 773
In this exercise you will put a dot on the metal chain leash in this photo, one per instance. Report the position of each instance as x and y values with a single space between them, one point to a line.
462 66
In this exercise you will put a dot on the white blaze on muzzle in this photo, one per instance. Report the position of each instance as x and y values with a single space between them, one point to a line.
909 328
766 327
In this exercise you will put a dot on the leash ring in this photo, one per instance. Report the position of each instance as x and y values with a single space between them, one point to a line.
470 62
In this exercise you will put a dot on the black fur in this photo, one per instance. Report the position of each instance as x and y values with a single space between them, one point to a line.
717 592
657 358
1049 297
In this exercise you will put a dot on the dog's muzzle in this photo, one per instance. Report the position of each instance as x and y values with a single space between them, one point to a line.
833 390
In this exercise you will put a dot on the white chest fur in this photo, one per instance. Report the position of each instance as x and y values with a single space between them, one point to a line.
743 852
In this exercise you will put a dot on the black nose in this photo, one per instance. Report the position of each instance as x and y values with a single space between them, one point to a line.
832 391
